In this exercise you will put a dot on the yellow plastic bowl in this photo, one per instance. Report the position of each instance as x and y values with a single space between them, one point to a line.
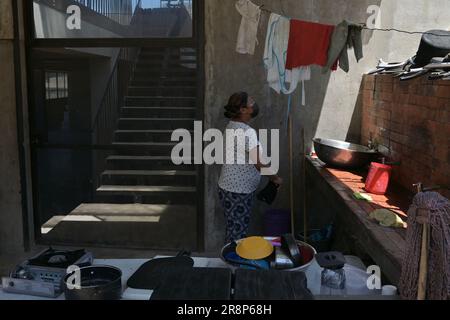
254 248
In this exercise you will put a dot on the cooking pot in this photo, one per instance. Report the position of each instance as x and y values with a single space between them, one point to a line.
97 283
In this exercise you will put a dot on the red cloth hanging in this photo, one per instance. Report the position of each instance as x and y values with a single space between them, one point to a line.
308 44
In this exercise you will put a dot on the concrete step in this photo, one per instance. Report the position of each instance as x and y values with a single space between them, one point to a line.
147 177
158 72
144 190
159 226
146 101
144 135
164 81
158 63
178 195
180 91
144 163
158 112
145 148
155 123
172 53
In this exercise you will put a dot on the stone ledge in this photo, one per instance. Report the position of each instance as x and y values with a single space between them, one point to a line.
384 245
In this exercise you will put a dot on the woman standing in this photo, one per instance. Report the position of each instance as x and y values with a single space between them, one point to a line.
238 182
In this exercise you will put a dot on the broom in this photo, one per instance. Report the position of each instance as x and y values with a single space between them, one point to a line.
428 244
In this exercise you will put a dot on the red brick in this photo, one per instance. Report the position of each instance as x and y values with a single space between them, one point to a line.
441 152
442 91
384 86
369 82
399 138
436 103
402 87
413 99
440 132
419 114
428 101
385 105
400 97
396 147
397 127
398 115
443 83
386 96
368 97
384 78
383 114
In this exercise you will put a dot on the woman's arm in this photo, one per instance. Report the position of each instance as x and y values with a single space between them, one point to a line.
255 157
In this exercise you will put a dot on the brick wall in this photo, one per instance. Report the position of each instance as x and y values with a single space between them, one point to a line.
410 120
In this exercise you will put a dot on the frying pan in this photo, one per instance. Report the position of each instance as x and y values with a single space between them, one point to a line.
149 275
289 244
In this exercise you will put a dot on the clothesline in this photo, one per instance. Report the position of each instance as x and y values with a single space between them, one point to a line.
364 26
407 32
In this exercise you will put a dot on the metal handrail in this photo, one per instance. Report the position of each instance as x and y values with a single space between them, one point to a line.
120 11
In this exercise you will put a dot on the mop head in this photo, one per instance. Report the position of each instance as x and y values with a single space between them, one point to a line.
438 277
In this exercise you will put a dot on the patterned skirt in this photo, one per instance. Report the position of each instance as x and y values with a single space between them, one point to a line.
237 208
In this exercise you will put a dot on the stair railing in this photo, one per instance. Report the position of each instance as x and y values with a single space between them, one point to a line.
108 114
120 11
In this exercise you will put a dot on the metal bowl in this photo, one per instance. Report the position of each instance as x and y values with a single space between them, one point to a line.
343 154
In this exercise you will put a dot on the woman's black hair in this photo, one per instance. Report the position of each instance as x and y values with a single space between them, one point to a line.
235 103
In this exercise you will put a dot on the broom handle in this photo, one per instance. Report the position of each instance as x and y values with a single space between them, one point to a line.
291 176
305 217
423 271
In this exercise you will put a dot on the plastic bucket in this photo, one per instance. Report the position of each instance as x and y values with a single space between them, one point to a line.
377 181
277 222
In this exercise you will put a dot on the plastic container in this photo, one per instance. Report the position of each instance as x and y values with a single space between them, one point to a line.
320 239
377 181
277 222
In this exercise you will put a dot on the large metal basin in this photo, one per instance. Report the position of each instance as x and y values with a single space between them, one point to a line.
226 249
343 154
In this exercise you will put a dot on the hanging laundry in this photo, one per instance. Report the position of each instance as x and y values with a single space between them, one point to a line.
248 31
308 44
346 35
275 54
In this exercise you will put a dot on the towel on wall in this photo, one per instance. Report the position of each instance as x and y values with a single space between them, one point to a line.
248 31
346 35
308 44
275 55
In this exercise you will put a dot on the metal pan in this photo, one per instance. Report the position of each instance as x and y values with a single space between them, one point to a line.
97 283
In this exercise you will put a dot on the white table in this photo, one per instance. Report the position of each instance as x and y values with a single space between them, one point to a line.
130 266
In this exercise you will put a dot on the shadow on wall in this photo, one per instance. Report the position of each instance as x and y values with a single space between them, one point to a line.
228 72
354 131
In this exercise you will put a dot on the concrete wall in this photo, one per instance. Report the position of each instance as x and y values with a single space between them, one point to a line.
331 110
11 232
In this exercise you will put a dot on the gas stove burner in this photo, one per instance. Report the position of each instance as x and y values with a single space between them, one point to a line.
43 274
57 258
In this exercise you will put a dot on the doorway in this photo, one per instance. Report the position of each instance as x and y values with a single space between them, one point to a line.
105 99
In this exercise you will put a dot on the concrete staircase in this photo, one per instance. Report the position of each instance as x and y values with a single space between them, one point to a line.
140 180
161 98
